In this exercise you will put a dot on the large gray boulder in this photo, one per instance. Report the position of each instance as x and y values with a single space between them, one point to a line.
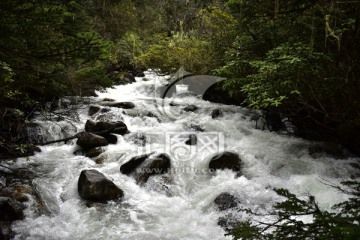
94 186
89 140
225 160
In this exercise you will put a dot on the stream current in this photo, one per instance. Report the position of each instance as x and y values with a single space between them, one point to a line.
182 207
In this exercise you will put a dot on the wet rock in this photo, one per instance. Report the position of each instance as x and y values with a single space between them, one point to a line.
225 160
10 210
94 186
226 201
130 166
111 138
118 127
80 152
228 222
216 113
20 197
93 110
192 140
89 140
94 152
190 108
105 110
159 164
123 105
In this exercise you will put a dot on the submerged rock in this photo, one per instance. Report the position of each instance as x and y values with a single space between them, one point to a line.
226 201
225 160
94 186
89 140
228 222
216 113
159 164
190 108
133 163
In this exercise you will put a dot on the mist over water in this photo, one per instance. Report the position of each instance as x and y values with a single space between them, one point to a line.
184 209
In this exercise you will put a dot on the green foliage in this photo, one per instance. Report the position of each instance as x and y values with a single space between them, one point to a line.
297 58
44 43
340 224
127 49
169 53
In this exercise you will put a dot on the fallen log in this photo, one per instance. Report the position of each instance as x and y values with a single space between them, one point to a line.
75 136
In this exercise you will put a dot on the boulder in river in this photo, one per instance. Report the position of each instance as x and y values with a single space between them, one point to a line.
133 163
118 127
93 110
111 138
192 140
225 201
159 164
123 105
10 210
216 113
228 222
94 152
190 108
89 140
94 186
225 160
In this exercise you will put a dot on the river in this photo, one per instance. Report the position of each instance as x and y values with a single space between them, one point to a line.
184 209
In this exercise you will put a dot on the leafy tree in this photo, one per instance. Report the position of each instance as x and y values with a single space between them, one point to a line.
297 58
48 49
340 224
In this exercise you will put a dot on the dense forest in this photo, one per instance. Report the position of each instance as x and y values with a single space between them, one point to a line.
299 59
293 59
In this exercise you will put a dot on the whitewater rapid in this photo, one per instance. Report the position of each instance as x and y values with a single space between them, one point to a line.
185 208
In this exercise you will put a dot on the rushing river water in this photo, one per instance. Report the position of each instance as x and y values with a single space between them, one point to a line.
184 209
